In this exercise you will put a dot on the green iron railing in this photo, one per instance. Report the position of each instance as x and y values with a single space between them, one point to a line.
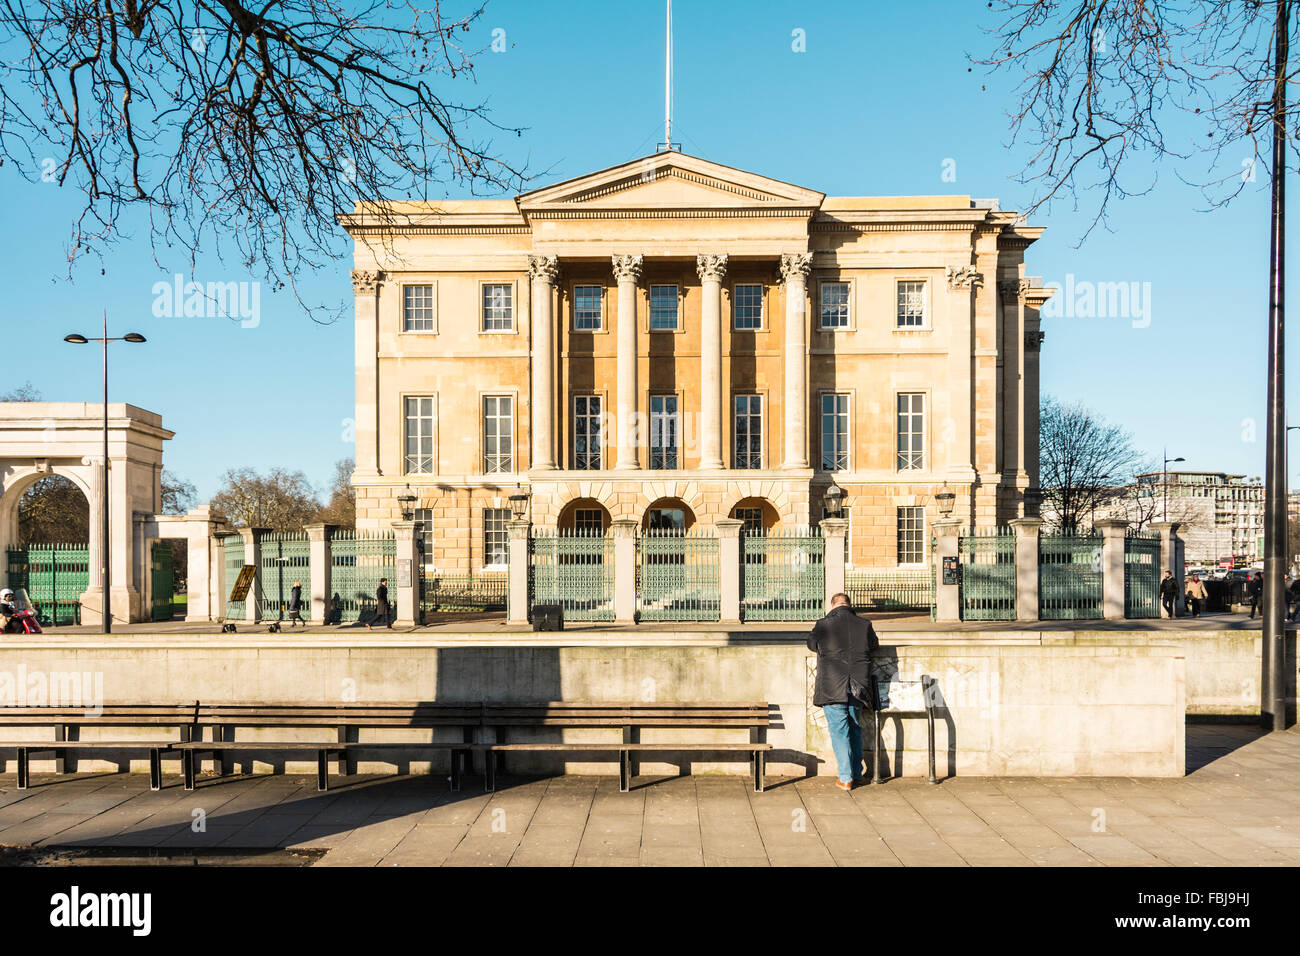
462 592
677 576
358 560
575 570
55 576
988 574
232 551
784 576
886 589
1069 577
1142 574
285 558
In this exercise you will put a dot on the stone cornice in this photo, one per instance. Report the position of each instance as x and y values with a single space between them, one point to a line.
672 212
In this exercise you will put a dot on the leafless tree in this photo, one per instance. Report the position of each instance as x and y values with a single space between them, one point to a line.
244 127
281 500
342 507
25 392
1105 84
53 511
178 495
1084 463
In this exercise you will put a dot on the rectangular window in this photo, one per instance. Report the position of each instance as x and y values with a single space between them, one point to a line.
663 432
747 307
752 518
663 308
749 431
588 521
911 535
419 435
424 517
911 304
835 305
835 431
418 311
498 434
588 303
911 431
587 437
496 537
498 307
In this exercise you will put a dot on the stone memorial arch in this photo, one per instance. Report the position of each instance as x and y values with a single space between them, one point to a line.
38 439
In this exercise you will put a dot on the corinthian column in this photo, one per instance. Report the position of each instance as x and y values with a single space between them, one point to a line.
365 286
711 269
794 273
627 270
543 270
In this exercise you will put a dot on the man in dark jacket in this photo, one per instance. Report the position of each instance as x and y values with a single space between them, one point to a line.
1169 593
1255 589
844 644
381 606
295 605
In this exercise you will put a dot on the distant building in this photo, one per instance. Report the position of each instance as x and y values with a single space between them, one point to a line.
1222 515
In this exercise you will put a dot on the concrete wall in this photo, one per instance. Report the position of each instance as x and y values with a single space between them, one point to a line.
1010 709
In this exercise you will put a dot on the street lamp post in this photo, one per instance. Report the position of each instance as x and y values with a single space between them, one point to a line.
105 575
1164 483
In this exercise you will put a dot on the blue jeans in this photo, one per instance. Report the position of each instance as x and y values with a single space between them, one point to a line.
844 721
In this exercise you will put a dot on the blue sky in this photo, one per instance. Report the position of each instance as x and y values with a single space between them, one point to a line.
877 103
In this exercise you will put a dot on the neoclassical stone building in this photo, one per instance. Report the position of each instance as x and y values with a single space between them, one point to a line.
673 341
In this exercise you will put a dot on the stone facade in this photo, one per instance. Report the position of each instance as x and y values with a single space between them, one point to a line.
661 292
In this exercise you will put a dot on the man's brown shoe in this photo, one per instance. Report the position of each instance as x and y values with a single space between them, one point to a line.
843 786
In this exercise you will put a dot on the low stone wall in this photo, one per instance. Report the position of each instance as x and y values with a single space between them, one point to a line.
1011 708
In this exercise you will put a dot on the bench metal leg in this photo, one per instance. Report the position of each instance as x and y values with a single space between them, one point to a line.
759 765
457 768
875 746
489 771
929 717
624 770
187 765
155 769
322 770
22 768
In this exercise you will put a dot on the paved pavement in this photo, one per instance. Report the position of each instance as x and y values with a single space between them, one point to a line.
1239 805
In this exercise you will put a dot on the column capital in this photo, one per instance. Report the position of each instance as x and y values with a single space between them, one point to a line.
795 266
711 268
544 268
963 277
366 281
628 268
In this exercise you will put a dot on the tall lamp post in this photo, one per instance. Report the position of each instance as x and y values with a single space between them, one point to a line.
106 613
1164 483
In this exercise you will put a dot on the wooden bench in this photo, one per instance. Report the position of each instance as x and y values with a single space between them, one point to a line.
224 720
68 721
926 710
630 718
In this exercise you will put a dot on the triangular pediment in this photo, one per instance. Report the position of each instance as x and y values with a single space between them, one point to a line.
671 180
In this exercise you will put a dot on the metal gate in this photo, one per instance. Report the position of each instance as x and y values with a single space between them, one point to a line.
358 562
575 570
677 576
286 558
54 575
988 575
784 576
232 558
161 581
1069 577
1142 574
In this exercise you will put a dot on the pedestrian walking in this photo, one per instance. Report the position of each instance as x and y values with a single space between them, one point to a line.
381 606
1196 593
1255 588
844 644
1293 598
295 605
1169 593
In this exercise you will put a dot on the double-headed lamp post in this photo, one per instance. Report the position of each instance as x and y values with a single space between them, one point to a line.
1164 483
106 612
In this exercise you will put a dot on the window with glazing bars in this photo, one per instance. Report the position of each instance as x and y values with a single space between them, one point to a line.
911 431
835 431
419 435
663 431
663 307
588 305
589 521
496 537
835 305
424 517
587 439
911 535
749 431
417 308
498 307
498 434
911 303
752 518
747 307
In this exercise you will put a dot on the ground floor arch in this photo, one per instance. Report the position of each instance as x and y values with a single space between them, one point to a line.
668 514
584 515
